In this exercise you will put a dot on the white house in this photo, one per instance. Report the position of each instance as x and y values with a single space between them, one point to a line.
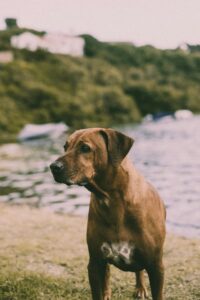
26 40
52 42
64 44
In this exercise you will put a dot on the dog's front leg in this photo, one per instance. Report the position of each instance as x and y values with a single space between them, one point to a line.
141 291
156 278
98 273
106 283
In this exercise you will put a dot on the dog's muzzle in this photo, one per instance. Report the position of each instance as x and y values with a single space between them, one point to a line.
61 176
57 169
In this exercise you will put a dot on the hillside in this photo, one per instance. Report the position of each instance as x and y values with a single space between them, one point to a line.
113 84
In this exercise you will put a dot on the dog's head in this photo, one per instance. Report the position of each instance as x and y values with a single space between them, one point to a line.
88 153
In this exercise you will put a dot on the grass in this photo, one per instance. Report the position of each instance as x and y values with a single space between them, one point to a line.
43 256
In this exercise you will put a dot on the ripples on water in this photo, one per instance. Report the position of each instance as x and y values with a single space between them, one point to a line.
168 154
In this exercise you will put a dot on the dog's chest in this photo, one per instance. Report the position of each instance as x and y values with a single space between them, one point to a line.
121 254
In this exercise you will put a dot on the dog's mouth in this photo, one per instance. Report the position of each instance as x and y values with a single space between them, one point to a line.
79 183
83 183
70 182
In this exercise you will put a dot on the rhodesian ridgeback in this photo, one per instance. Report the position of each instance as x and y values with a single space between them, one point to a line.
126 221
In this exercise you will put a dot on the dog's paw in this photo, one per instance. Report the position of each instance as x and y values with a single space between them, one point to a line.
107 296
141 293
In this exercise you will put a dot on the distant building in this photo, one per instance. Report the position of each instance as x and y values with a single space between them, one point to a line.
6 56
11 23
184 47
64 44
54 43
26 40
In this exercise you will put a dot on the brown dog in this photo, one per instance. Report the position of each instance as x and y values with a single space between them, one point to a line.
126 222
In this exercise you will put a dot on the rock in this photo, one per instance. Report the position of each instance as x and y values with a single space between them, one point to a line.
13 196
22 184
44 187
4 198
29 193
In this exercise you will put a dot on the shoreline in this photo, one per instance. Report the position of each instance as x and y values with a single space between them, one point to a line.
43 255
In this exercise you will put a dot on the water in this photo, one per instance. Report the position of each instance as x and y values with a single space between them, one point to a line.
168 154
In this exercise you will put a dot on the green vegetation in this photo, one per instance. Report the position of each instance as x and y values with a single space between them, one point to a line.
113 84
43 256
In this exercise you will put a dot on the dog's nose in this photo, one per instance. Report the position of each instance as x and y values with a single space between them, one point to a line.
56 167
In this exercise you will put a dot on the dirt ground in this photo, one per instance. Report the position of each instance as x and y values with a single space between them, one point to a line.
43 256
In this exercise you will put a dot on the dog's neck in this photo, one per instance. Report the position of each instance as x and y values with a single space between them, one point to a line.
107 183
113 193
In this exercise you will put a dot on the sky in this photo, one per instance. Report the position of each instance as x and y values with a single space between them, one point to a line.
161 23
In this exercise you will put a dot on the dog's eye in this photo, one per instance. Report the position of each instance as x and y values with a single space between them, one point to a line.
65 146
85 148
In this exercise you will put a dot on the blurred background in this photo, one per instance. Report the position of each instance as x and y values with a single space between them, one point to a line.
130 65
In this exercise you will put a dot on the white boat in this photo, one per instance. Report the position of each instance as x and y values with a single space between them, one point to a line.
183 114
34 131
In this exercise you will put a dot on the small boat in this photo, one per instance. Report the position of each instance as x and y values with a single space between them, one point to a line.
164 117
36 131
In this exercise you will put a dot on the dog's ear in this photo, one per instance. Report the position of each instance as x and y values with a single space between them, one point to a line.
117 143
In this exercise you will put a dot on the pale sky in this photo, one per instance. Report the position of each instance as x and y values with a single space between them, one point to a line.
162 23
